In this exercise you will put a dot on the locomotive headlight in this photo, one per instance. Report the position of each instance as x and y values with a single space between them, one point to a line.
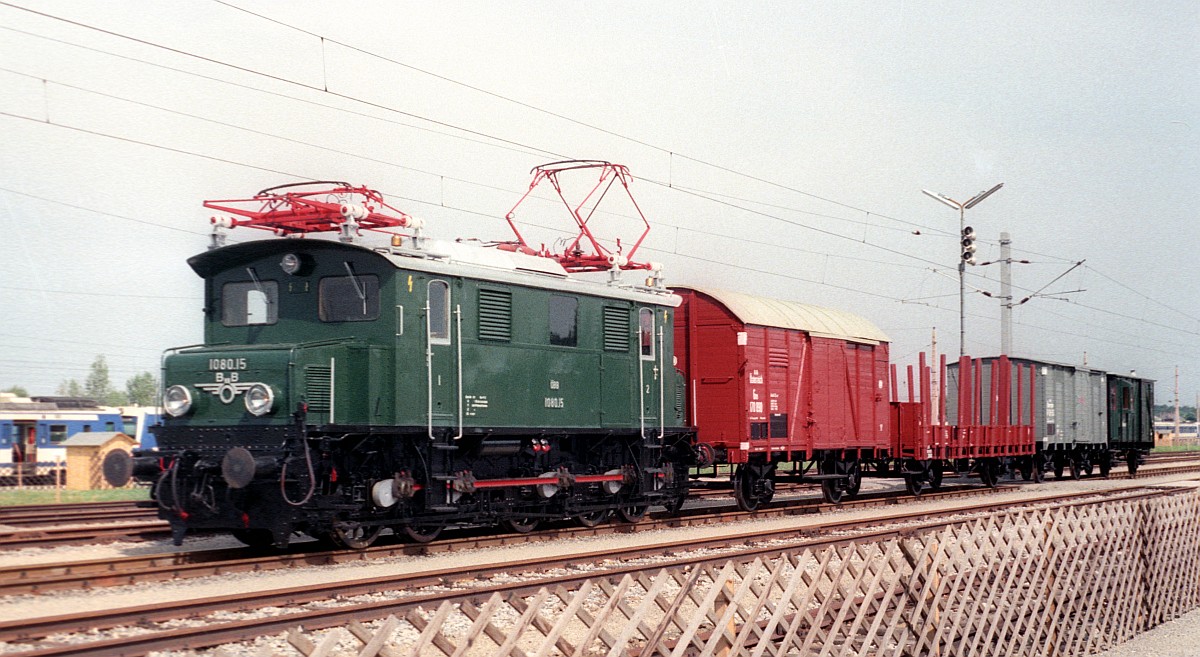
177 401
290 263
260 400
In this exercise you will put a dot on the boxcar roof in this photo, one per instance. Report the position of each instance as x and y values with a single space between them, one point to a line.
814 320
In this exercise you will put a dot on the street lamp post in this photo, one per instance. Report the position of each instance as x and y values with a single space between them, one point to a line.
968 239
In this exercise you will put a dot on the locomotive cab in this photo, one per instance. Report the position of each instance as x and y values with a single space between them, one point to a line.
343 389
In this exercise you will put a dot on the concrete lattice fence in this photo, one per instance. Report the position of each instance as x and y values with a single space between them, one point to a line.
1056 581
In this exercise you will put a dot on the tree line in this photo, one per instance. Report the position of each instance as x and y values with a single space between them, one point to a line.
140 390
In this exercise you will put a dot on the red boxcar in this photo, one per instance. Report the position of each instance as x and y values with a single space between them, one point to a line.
774 381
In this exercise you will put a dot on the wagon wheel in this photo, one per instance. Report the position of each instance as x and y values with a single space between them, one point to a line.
913 483
1074 466
420 534
832 490
1131 462
1058 467
935 475
1036 464
592 518
987 473
854 477
743 489
520 525
631 513
354 535
257 538
1086 466
1025 469
1105 463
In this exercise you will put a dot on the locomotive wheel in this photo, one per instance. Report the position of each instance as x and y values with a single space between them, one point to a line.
257 538
632 513
354 535
420 534
1131 462
913 483
520 525
593 518
675 505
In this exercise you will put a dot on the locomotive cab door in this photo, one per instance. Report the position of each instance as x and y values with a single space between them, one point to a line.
651 377
442 358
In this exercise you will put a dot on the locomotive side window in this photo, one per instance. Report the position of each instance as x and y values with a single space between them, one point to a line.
249 303
439 312
349 298
564 320
646 322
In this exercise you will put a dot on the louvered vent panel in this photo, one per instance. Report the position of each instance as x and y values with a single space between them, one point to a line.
495 315
317 387
616 329
777 357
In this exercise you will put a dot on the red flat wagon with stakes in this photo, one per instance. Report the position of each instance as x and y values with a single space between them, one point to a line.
988 433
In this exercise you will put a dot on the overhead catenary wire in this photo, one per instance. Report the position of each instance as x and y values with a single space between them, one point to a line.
320 89
769 215
478 133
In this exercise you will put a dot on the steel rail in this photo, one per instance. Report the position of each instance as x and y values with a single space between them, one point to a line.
745 545
59 576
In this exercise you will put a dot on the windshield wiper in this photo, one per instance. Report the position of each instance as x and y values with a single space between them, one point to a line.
359 288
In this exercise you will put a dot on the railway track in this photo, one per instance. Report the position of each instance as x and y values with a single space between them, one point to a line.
40 526
41 578
457 583
118 571
38 515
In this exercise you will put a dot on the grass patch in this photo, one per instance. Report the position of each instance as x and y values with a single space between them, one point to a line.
15 497
1176 448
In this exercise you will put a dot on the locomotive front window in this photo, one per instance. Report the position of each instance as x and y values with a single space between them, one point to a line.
439 312
646 321
249 303
348 298
564 321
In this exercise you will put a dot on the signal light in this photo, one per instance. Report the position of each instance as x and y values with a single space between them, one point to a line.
968 245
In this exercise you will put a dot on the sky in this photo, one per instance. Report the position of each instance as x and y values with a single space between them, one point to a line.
778 149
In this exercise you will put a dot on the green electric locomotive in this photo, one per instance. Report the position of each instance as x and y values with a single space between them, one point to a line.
344 389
